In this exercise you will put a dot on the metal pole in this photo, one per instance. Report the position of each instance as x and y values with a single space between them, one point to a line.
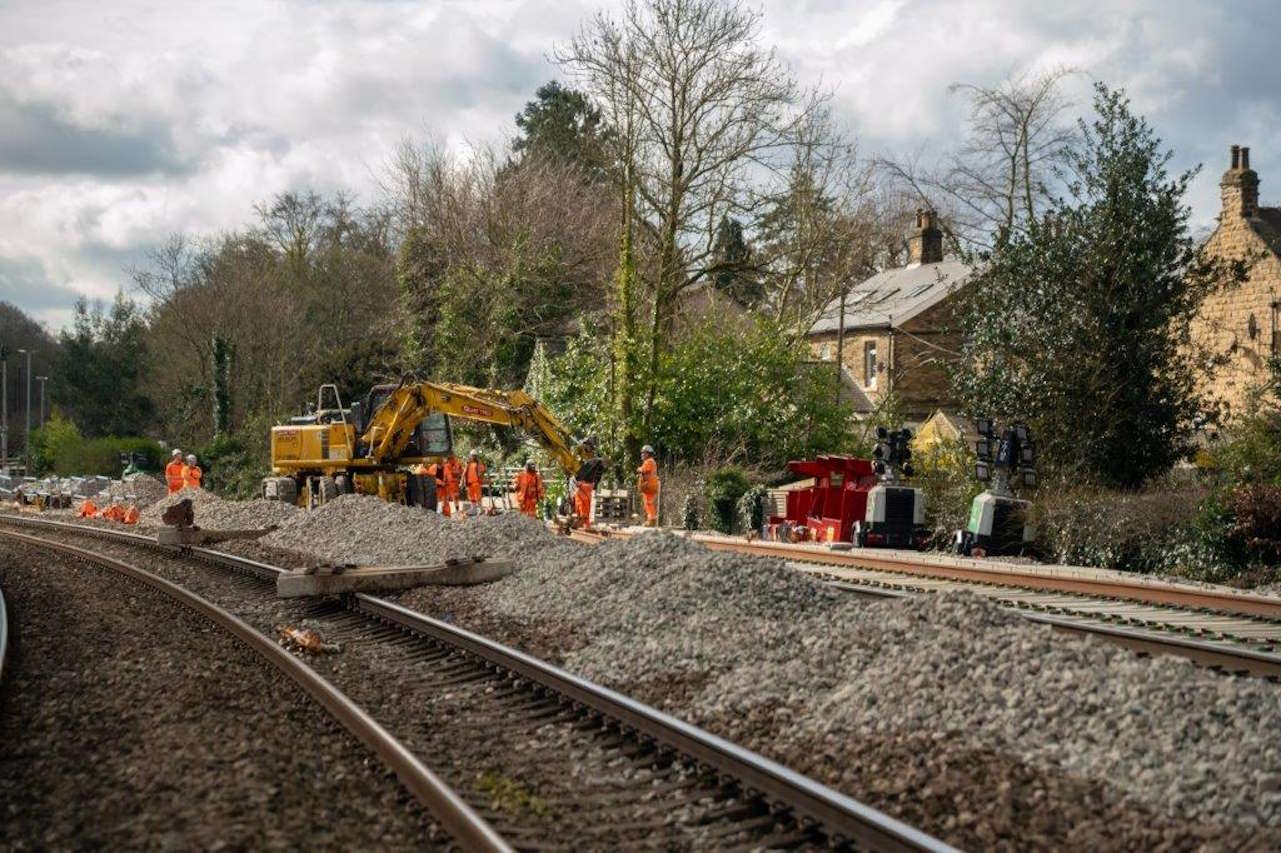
42 380
26 442
4 408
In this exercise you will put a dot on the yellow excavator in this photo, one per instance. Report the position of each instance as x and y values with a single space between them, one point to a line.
372 446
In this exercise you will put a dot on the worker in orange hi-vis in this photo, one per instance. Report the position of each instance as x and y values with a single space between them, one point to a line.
192 476
649 484
453 471
131 515
437 472
530 489
474 479
173 471
88 509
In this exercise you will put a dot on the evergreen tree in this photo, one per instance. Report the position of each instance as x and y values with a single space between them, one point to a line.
1080 323
562 125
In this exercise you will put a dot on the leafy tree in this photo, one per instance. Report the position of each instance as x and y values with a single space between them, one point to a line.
19 332
1080 322
98 374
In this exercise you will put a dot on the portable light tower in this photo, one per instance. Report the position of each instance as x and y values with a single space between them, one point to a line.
895 516
998 521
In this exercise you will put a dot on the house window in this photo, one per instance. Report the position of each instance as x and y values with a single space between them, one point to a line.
869 364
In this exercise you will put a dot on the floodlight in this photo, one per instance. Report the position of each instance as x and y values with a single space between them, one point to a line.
983 449
1029 478
1020 432
983 426
982 471
1027 453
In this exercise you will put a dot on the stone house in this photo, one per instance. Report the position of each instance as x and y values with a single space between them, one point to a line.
894 333
1241 325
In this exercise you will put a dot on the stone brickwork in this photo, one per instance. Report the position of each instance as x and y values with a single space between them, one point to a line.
1240 326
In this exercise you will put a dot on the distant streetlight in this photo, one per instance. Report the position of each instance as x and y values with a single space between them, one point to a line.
26 441
42 380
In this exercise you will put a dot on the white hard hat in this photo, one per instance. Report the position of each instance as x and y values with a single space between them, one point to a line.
191 459
473 452
176 452
648 449
529 463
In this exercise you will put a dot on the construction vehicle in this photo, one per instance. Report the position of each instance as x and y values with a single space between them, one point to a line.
373 446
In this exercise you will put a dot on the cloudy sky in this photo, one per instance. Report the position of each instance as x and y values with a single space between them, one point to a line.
122 122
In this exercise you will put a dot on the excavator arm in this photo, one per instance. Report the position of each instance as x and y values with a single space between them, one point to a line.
391 427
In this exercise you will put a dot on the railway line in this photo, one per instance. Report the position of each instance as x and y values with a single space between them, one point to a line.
1237 633
528 756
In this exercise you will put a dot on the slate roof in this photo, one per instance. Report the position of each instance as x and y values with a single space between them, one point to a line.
891 298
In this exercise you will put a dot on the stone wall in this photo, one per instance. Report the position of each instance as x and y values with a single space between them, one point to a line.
1239 325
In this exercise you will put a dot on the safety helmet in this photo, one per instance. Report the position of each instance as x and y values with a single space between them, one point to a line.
176 453
473 452
191 459
529 464
649 448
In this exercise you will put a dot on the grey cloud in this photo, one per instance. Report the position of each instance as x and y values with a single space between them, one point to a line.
38 140
25 283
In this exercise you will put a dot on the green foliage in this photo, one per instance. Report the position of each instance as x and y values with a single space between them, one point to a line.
732 257
944 471
59 448
563 125
99 371
1080 324
235 463
745 393
751 508
1182 532
221 384
724 487
689 512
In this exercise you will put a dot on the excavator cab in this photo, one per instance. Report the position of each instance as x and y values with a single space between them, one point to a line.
433 436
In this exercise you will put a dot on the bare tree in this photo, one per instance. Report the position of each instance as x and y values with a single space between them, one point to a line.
713 111
1000 176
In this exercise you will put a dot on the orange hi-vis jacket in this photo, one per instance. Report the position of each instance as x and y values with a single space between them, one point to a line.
474 476
173 476
529 491
191 476
453 475
648 476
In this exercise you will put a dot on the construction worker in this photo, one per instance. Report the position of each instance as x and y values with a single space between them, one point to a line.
173 471
88 509
474 479
530 489
453 470
585 483
191 473
131 515
649 484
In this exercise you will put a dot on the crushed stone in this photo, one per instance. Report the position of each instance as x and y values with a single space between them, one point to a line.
215 513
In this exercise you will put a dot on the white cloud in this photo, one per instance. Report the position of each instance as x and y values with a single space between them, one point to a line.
180 116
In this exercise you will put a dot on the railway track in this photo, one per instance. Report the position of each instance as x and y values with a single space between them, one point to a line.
529 756
1237 633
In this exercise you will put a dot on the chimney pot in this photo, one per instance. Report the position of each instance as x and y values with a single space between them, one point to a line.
1236 156
1245 157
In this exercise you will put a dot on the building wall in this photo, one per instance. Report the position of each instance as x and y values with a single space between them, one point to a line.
1240 326
909 361
823 348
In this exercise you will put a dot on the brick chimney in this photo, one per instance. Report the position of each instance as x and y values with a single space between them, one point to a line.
925 244
1240 186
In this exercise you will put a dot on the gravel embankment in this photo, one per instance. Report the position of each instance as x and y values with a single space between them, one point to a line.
1100 747
126 722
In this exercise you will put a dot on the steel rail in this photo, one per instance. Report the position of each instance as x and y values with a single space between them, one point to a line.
842 817
458 818
4 633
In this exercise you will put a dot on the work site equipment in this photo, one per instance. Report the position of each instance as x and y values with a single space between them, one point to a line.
999 522
848 503
371 447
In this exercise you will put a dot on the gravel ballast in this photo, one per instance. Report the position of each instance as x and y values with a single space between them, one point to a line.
127 722
821 680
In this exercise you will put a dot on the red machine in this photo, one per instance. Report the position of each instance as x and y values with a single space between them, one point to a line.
827 511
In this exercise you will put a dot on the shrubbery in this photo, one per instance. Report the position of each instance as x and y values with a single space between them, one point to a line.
59 448
724 487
